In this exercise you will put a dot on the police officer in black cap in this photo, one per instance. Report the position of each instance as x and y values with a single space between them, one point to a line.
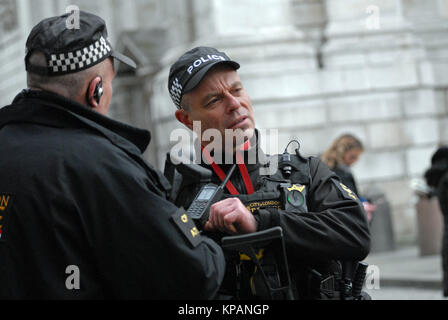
437 178
322 220
82 215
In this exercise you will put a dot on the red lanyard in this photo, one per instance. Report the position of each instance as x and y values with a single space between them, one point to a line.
241 165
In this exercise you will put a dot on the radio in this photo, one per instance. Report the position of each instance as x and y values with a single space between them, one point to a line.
199 209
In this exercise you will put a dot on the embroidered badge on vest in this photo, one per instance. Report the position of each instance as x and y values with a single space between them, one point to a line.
5 204
256 205
346 191
187 227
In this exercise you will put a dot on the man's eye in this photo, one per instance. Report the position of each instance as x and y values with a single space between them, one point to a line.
212 102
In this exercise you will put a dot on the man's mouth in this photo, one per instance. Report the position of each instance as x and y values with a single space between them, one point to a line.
238 123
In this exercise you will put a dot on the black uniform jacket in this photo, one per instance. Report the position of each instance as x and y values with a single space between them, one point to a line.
344 173
442 193
333 226
78 202
437 178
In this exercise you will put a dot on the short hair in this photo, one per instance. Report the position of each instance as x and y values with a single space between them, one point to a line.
72 84
185 103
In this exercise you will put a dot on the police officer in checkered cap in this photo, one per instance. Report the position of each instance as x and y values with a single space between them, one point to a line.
323 222
83 215
74 62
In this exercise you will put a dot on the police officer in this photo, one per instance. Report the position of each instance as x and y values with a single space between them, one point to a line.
437 178
82 215
322 220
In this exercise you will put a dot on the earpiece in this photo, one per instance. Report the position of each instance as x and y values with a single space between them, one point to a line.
97 92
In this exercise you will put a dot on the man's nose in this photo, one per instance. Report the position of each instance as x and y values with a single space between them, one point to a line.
232 103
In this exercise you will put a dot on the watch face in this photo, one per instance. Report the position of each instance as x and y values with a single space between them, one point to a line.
296 198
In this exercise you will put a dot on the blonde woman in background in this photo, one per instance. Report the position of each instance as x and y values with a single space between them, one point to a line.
341 155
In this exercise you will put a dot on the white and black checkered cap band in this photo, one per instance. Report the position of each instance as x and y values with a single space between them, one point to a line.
176 92
62 63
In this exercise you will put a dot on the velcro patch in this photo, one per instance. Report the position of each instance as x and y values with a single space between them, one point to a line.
187 227
5 204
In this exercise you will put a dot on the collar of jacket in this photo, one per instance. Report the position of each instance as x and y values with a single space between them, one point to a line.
254 153
30 105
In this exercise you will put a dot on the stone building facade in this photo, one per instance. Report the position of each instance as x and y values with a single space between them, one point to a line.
313 68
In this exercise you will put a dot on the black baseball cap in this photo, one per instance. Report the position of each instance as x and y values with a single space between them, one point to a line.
70 49
189 70
441 155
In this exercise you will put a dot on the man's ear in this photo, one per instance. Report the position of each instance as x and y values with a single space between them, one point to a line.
90 95
183 117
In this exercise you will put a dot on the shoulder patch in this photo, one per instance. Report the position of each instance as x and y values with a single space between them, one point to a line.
187 227
5 204
349 194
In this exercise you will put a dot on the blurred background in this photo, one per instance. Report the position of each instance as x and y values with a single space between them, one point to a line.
314 69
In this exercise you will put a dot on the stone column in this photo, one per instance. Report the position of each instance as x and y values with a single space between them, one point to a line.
233 18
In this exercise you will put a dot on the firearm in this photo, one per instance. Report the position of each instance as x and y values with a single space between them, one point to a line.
353 277
358 281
